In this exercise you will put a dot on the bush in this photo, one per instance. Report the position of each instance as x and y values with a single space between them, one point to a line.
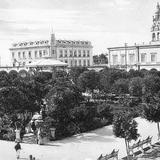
10 136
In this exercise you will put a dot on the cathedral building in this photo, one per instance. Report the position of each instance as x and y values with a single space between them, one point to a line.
139 56
74 53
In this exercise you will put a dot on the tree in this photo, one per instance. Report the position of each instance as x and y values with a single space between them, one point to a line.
12 100
109 76
151 112
151 86
124 126
100 59
105 111
75 73
63 97
88 81
135 87
121 86
4 79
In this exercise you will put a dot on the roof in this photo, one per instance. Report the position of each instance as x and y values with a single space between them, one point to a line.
46 62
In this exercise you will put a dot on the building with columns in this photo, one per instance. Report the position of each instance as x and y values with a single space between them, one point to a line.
74 53
139 56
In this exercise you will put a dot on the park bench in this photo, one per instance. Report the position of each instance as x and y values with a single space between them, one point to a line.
140 144
113 155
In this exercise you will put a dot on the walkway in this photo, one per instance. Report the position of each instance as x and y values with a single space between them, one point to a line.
87 146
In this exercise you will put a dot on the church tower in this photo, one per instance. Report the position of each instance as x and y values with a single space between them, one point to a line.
155 30
53 46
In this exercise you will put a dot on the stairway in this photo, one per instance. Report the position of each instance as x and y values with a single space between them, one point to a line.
29 138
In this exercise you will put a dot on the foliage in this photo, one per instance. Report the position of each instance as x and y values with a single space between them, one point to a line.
105 111
120 86
124 126
151 84
88 81
135 86
151 112
109 76
100 59
12 100
75 72
4 79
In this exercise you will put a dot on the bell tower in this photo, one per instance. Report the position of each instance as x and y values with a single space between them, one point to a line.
53 46
155 30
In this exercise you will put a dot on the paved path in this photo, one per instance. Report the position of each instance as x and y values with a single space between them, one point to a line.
87 146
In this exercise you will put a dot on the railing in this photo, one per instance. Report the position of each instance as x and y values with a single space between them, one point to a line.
140 144
113 154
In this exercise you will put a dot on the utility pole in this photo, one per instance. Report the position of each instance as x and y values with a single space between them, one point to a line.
125 47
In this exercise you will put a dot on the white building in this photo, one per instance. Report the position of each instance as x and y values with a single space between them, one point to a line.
145 56
74 53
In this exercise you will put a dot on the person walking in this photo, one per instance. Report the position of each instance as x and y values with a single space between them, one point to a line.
18 148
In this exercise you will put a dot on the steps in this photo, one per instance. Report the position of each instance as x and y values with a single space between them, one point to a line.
29 138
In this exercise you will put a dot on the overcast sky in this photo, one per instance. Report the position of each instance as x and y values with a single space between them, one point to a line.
106 23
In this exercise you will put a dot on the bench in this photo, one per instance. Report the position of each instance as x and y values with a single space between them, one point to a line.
140 144
113 154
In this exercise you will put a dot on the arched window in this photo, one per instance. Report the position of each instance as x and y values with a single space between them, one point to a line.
153 37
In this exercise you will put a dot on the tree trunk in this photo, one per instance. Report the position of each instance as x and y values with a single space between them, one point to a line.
127 149
158 130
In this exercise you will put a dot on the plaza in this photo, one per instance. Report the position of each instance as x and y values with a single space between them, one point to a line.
86 146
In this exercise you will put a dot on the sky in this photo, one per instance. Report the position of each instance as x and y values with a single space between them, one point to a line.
106 23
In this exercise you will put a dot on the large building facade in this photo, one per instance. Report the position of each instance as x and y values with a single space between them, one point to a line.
74 53
144 56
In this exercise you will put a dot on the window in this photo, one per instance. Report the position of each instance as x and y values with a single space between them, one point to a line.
65 53
79 53
143 57
153 37
88 63
79 62
12 54
84 63
131 58
24 55
115 59
40 53
35 54
61 53
88 53
75 53
153 57
84 53
71 63
44 52
75 62
122 59
29 54
71 53
19 54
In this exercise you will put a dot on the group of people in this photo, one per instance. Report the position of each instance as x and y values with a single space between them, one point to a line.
35 129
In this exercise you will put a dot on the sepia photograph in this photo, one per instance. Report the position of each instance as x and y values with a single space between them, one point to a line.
80 80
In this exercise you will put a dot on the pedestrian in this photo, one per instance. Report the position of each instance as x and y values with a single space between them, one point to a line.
33 126
18 148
